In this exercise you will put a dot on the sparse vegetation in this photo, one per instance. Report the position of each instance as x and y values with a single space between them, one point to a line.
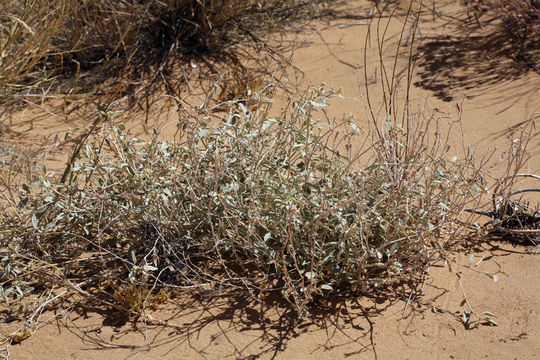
253 204
295 204
71 48
524 13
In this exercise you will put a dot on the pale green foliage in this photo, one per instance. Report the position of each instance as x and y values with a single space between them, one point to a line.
252 203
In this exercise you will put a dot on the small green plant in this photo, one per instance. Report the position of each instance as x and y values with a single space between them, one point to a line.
485 319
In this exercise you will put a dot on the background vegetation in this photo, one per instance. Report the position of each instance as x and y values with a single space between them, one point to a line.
67 48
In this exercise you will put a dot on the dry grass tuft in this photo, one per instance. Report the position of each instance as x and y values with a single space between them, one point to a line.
73 48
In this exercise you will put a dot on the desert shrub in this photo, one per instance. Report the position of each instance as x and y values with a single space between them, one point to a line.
71 47
253 204
256 203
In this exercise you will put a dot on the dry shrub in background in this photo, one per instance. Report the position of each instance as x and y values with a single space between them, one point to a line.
66 47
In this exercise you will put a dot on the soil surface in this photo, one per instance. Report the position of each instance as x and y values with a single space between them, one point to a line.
461 71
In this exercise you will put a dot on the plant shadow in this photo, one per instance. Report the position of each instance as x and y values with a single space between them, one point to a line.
474 62
237 325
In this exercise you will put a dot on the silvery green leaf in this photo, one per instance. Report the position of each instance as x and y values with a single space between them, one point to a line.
202 133
321 104
444 206
244 108
310 275
388 123
466 317
149 268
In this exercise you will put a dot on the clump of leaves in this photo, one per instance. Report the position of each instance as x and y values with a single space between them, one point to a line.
257 204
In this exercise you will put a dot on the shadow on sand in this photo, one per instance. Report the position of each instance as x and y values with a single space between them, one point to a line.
236 326
475 61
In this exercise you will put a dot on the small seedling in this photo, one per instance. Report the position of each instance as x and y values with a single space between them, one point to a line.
485 319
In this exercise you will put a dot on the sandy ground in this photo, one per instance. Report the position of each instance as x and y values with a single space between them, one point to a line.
459 68
363 328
